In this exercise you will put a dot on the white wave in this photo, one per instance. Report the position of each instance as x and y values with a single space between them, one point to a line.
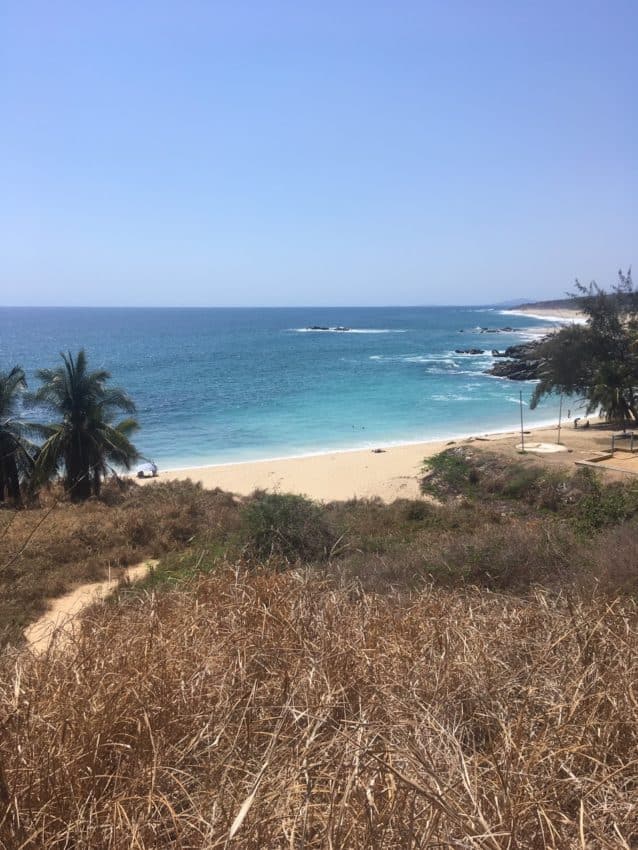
452 397
529 334
445 358
348 330
466 355
374 331
447 361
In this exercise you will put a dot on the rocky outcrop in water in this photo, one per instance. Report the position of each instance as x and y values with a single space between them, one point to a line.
518 362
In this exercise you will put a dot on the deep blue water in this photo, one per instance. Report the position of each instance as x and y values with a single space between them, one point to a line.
217 385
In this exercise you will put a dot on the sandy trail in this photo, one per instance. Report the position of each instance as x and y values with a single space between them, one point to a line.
58 621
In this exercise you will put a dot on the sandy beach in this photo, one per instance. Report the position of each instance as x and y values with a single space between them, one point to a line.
391 474
552 314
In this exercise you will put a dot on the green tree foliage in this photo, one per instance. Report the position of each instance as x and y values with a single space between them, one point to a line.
599 360
16 450
86 440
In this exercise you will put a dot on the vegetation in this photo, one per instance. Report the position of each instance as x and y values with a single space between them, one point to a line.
83 444
286 527
599 360
48 549
86 440
267 710
450 672
16 450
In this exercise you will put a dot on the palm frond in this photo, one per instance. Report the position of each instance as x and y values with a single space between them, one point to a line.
117 398
118 448
127 426
51 456
11 384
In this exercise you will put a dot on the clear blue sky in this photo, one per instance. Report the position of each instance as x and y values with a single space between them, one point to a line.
282 153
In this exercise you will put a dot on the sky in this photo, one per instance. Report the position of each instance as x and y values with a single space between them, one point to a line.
315 153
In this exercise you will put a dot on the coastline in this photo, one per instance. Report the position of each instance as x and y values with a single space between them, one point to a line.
386 469
384 445
549 314
390 474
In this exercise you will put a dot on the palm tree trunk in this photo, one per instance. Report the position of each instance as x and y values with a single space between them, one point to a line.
97 482
13 481
78 473
79 486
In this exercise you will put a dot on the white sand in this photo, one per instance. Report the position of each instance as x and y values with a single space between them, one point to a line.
542 448
59 619
393 474
550 314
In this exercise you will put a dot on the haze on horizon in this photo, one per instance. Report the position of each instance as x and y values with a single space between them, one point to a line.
281 153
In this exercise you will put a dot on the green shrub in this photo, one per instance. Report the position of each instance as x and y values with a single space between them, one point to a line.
285 526
603 507
417 511
543 488
521 481
448 473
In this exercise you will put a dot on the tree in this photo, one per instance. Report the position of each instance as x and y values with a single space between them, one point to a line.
598 360
16 450
86 441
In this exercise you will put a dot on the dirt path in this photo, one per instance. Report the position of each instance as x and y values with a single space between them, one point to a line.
63 611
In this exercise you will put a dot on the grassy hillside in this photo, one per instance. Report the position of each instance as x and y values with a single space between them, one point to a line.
296 713
54 545
456 672
553 304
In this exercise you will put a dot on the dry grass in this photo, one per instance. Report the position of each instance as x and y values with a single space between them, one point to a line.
46 550
274 710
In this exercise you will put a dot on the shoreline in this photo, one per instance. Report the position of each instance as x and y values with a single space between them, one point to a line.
386 470
385 446
549 314
389 474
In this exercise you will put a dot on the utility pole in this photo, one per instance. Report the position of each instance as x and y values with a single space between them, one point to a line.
560 416
522 433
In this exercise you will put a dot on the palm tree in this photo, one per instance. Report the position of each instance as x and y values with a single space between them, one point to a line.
16 451
86 441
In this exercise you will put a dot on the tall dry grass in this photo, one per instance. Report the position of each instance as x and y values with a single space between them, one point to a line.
46 550
271 710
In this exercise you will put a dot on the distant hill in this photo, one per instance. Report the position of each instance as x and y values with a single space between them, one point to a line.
513 302
556 304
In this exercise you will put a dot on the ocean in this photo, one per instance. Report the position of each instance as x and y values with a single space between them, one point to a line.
227 385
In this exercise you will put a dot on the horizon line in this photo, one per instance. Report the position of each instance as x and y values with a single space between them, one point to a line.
502 304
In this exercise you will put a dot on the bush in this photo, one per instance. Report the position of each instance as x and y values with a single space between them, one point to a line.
521 481
448 473
416 511
285 526
603 507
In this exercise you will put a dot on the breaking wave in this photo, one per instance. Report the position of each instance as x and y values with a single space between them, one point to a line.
338 330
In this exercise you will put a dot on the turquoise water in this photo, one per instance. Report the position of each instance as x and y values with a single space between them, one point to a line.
222 385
